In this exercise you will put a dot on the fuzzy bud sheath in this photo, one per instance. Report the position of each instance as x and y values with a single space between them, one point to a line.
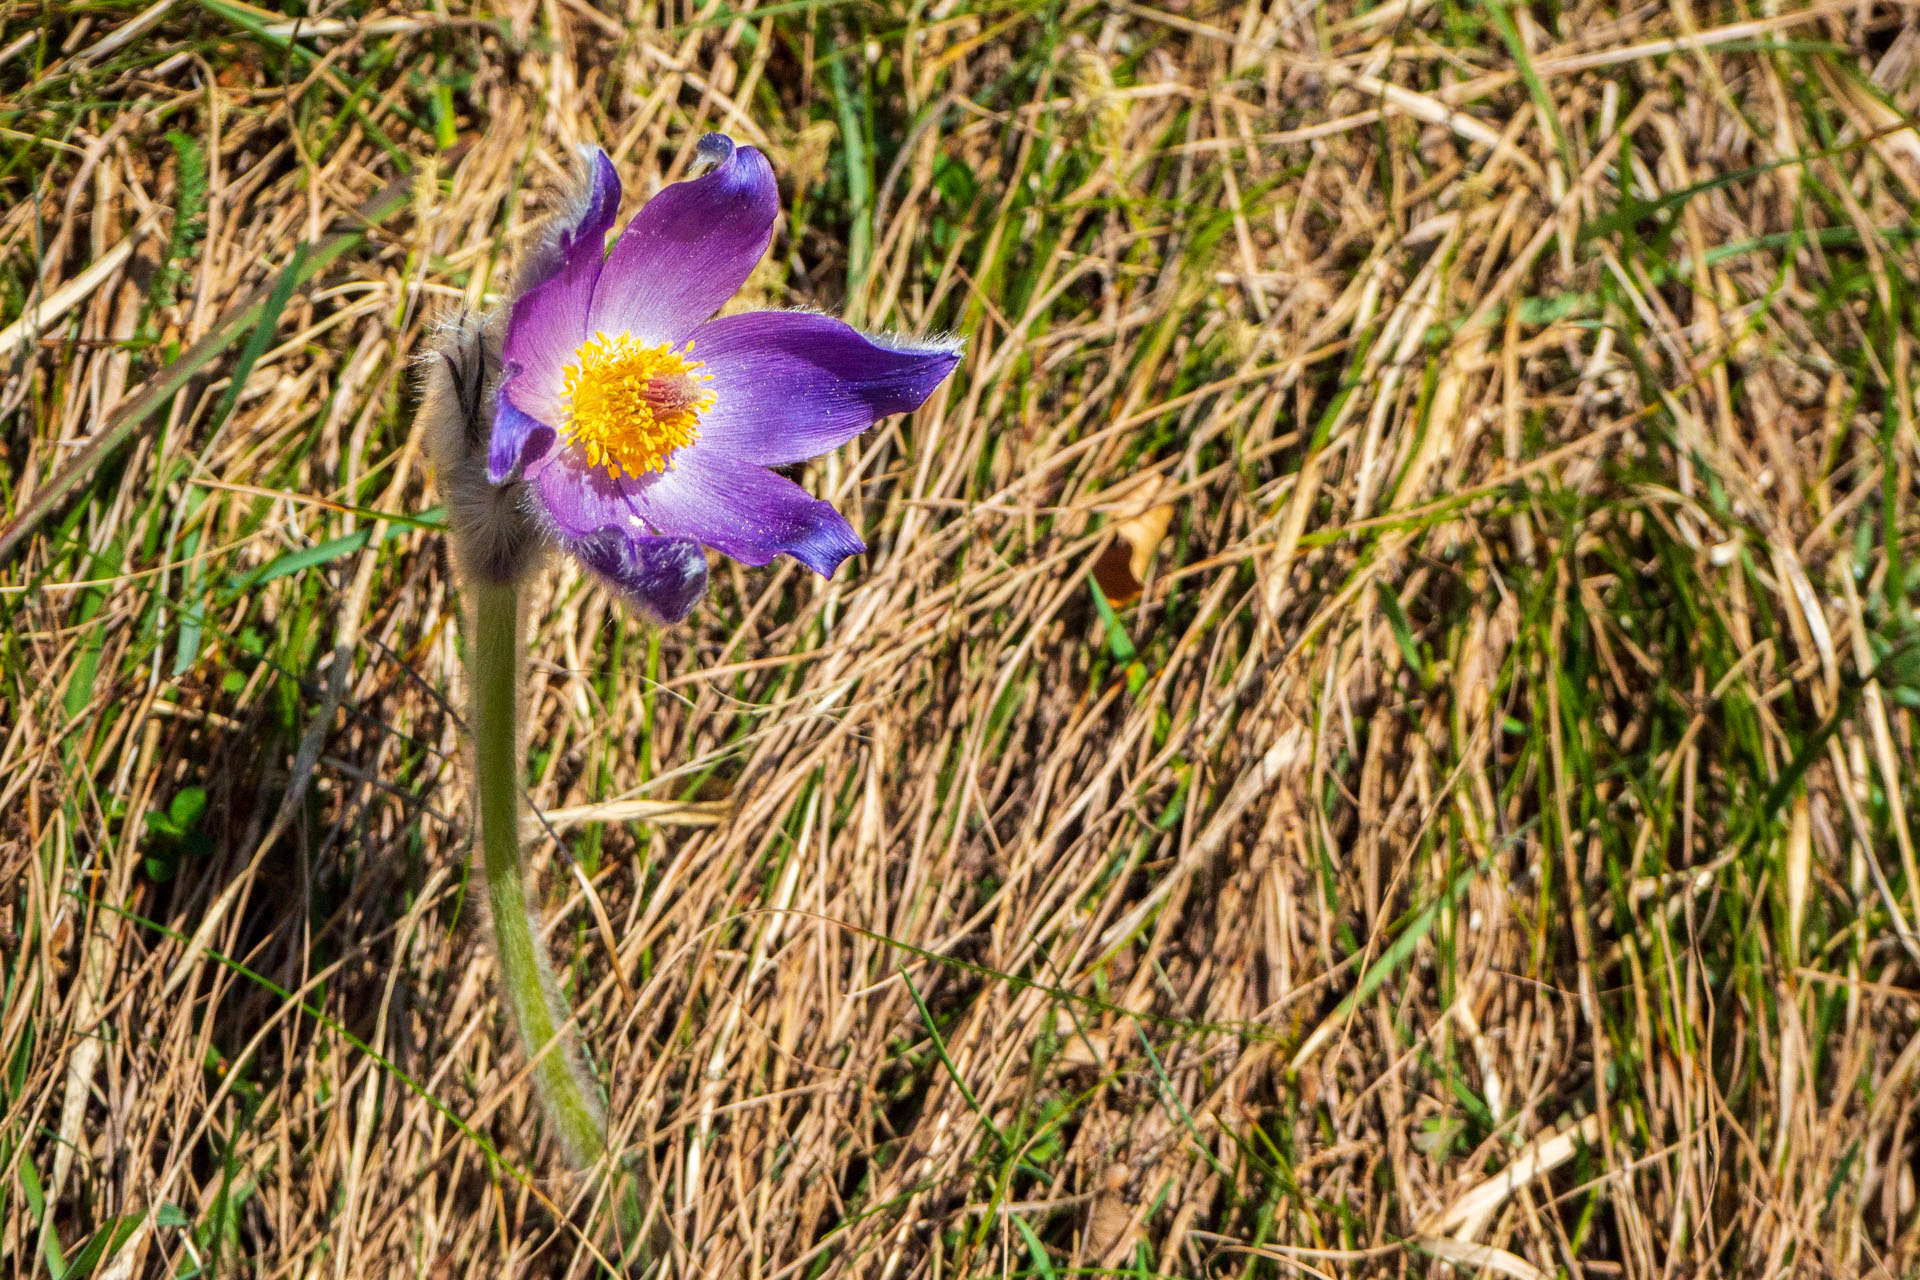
496 548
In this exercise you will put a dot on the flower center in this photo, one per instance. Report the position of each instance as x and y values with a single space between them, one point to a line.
629 406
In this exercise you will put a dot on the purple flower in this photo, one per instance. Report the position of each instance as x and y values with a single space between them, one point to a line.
645 428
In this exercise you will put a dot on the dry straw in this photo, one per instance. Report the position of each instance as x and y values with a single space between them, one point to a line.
1478 849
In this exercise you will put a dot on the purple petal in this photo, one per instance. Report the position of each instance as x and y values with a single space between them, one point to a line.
519 440
745 511
791 385
662 577
583 225
690 248
581 499
548 322
590 221
544 332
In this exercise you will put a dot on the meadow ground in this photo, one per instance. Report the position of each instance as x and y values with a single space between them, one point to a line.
1375 735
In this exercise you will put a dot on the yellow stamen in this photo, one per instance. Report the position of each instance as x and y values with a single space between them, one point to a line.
630 407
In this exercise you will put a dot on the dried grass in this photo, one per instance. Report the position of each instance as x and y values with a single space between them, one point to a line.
1482 847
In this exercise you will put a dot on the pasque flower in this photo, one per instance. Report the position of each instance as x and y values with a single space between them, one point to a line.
645 427
617 417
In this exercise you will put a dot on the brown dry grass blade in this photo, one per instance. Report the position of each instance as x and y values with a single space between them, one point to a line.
193 362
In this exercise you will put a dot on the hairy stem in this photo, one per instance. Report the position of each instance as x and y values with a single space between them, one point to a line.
497 628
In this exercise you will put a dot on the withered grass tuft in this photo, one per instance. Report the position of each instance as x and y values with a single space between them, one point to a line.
1484 845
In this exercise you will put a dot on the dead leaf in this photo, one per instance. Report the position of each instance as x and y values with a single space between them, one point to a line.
1111 1222
1140 522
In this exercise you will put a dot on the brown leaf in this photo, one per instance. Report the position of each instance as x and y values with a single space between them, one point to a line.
1141 523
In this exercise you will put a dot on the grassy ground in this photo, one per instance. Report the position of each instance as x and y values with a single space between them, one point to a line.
1475 838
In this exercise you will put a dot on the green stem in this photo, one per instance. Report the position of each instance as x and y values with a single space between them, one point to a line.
498 626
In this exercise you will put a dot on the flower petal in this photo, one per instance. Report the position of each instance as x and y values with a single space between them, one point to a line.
745 511
580 498
690 248
590 221
519 439
790 385
662 577
549 320
581 227
546 328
